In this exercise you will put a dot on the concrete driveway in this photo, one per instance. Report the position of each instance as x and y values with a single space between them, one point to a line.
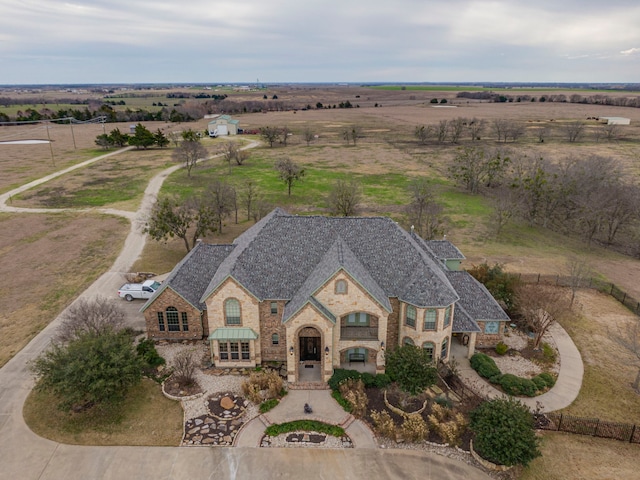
25 456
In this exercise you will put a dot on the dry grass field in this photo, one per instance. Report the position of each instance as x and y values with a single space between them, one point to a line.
34 249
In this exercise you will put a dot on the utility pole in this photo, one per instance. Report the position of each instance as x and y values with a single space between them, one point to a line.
47 126
72 135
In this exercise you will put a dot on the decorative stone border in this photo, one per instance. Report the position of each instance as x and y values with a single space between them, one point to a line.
179 399
486 463
402 413
239 402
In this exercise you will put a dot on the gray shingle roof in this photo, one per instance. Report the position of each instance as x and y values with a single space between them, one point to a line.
286 249
190 277
445 250
475 299
462 322
337 257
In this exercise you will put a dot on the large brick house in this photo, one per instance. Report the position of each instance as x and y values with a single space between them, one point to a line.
321 291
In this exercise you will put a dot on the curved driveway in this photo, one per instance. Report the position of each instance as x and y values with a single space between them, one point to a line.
25 456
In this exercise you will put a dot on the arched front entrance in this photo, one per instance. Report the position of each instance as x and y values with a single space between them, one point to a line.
309 358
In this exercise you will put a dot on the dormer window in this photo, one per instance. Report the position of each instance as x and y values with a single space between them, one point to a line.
341 287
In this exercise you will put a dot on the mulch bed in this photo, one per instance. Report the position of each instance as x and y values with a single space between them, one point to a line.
226 405
376 402
178 389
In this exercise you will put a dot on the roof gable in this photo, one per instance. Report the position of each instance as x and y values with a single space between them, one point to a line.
190 277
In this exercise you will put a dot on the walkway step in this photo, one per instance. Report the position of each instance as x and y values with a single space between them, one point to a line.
347 421
309 386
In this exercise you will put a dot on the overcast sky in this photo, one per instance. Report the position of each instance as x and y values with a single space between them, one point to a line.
166 41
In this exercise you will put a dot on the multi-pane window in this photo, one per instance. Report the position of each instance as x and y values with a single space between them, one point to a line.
232 311
341 287
275 339
185 322
408 341
358 318
224 351
447 316
161 321
234 351
172 319
443 349
274 308
410 317
492 327
430 319
429 348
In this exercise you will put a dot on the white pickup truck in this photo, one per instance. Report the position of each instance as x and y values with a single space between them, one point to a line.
129 291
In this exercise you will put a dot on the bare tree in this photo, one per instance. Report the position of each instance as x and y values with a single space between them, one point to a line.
184 368
189 152
629 338
221 200
231 152
424 212
249 194
514 131
500 127
422 133
308 134
476 127
579 271
540 306
93 317
573 130
456 128
505 204
289 172
285 133
270 134
442 130
344 198
611 132
542 133
174 136
351 134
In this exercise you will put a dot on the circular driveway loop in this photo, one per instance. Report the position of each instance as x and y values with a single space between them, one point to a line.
25 456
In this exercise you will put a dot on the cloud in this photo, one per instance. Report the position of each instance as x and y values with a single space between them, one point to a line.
631 51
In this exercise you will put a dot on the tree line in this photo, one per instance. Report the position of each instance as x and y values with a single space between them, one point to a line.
597 99
588 197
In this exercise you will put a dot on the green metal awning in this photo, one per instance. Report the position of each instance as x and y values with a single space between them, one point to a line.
228 333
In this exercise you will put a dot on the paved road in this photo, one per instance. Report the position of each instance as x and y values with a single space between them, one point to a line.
25 456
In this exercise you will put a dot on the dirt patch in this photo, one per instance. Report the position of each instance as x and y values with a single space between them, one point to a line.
46 262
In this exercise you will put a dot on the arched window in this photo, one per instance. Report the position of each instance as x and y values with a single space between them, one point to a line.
444 348
341 287
407 341
410 318
430 319
232 311
429 348
447 316
173 323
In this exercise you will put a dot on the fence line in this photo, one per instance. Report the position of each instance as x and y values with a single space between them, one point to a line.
560 422
609 288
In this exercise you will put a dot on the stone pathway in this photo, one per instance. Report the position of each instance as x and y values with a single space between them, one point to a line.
221 425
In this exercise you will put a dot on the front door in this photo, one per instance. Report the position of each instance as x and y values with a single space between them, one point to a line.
310 348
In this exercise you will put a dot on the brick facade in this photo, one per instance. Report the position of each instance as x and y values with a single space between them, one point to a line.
271 324
197 328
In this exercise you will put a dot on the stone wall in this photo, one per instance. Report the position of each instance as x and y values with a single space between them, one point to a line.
489 340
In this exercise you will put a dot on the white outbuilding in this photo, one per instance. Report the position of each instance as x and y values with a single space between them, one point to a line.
616 120
223 125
